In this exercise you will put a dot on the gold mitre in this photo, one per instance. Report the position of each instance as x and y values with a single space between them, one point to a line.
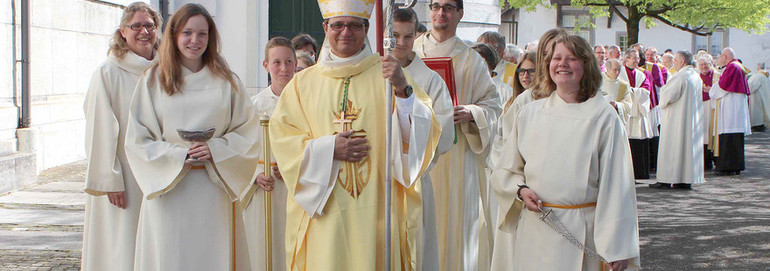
354 8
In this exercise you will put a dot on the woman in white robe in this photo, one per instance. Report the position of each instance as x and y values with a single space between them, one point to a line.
186 219
114 198
570 151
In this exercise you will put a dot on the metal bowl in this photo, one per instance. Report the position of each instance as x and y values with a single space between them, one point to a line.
196 135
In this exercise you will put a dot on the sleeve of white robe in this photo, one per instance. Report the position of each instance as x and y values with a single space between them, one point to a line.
717 92
671 91
641 102
444 113
235 155
102 132
616 230
624 106
506 178
485 106
156 164
415 115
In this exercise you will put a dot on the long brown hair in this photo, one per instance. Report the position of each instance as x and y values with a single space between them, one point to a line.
118 45
169 69
592 76
518 88
541 66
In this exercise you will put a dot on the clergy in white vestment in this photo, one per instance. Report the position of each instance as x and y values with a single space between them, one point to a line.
404 30
640 125
731 117
487 52
505 71
681 134
594 199
615 90
114 198
709 76
186 219
459 178
280 62
329 127
759 101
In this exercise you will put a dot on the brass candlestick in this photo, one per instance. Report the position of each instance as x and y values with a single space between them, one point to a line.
264 121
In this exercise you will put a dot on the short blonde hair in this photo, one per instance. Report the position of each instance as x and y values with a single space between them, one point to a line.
118 45
592 76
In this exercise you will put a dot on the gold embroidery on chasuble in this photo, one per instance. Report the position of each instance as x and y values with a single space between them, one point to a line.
353 176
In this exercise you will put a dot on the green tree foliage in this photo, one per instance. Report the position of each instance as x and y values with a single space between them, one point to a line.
700 17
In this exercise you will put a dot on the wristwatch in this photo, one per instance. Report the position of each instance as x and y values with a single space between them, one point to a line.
518 192
408 91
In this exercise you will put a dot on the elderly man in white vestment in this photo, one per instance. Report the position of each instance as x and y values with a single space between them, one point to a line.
681 133
465 238
404 27
732 122
759 100
329 127
616 90
505 71
594 198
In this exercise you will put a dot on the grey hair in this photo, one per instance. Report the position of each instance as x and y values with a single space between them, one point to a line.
512 51
687 57
668 55
613 62
629 52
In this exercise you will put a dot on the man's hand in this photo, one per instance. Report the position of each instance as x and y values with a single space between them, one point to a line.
200 150
117 199
277 173
462 114
706 88
619 265
350 149
391 70
264 182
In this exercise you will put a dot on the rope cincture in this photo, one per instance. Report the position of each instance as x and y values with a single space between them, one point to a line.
344 104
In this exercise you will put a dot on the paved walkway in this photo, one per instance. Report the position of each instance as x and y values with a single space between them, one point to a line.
721 225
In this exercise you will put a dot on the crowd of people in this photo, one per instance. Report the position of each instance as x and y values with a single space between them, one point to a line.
558 128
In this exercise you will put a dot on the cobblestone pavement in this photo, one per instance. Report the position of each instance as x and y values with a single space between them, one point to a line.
723 224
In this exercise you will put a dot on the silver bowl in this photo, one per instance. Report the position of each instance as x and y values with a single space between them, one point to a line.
196 135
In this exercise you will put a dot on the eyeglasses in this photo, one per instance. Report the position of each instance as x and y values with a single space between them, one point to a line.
530 71
138 27
353 26
447 8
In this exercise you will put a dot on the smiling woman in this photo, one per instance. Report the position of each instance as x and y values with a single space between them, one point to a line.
114 200
592 192
186 217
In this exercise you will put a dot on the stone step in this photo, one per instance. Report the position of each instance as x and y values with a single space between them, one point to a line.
17 170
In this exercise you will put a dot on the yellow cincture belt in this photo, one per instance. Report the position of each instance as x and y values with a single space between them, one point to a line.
198 167
579 206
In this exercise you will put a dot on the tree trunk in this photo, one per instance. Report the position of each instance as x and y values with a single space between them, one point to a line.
632 25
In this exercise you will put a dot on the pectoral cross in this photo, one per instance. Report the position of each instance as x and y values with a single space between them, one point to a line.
342 121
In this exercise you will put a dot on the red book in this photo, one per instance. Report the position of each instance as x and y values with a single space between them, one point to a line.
443 66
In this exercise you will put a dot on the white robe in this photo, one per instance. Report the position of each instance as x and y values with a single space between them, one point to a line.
433 85
680 158
187 216
640 125
109 233
253 202
588 146
732 113
503 244
759 100
611 89
465 236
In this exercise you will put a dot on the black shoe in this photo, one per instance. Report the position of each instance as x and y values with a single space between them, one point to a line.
686 186
660 185
708 167
737 172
